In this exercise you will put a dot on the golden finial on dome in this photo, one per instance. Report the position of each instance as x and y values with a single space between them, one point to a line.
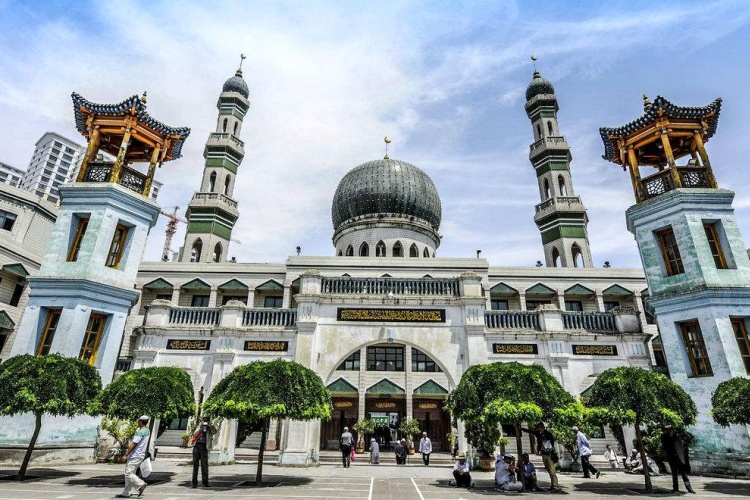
387 141
143 97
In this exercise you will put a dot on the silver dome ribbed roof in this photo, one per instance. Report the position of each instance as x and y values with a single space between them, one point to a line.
237 84
539 86
386 187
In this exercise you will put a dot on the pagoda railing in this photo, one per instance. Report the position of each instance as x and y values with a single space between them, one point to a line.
547 141
445 287
229 137
512 320
195 316
269 317
661 182
102 172
216 196
592 321
560 200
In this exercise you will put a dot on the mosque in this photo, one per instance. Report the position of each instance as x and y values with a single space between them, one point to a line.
388 324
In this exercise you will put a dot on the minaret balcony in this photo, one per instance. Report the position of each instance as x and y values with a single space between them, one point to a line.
559 204
552 143
661 182
226 140
213 199
103 172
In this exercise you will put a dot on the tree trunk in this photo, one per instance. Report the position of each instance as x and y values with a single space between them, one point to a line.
30 450
263 436
519 442
644 459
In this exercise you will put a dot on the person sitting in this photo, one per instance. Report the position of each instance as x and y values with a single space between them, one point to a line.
505 476
529 474
461 472
633 461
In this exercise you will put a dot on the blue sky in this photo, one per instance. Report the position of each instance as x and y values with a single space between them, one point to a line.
445 80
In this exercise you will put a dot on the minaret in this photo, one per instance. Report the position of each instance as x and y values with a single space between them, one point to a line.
79 301
561 216
695 261
212 212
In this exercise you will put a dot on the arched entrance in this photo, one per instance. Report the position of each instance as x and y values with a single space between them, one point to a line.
345 411
428 403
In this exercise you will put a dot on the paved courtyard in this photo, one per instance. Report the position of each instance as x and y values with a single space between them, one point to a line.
171 481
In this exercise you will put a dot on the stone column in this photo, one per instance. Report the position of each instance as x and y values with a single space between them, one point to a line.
522 300
251 298
408 387
212 297
176 296
286 301
599 300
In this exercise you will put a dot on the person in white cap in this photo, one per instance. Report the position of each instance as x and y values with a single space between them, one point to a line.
135 455
425 448
584 449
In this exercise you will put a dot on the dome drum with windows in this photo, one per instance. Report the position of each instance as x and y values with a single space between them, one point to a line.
386 208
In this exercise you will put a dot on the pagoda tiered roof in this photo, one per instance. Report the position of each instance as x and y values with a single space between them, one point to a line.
661 109
148 128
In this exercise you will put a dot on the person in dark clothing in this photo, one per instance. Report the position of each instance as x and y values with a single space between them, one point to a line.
546 446
401 451
345 444
677 457
202 440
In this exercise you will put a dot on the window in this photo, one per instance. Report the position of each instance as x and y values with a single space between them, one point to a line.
380 249
546 189
499 305
573 305
3 338
92 338
341 253
426 253
273 301
350 251
385 359
700 365
577 255
743 342
199 301
561 185
609 305
224 125
216 257
670 252
350 364
227 181
178 424
364 250
212 182
234 132
48 331
7 220
549 127
116 247
163 296
398 250
555 257
538 131
715 245
421 362
533 304
195 253
413 250
75 246
16 297
226 298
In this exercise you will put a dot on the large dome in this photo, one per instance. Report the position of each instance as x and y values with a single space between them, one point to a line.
389 187
237 84
539 86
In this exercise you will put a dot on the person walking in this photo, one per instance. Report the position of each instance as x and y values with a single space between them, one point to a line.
201 444
345 445
584 450
677 458
611 456
546 447
401 451
135 455
374 452
425 448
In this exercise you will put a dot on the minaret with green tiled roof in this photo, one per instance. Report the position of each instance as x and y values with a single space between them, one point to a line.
561 215
213 212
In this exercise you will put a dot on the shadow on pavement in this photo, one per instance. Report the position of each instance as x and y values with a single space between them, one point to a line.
228 482
629 488
119 480
734 488
35 474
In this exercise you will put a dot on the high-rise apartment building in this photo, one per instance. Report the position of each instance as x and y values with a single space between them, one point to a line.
10 175
54 157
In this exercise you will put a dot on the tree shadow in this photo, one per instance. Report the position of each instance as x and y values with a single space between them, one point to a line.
620 488
35 474
733 488
111 480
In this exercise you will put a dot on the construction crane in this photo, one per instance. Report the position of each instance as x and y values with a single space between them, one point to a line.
170 231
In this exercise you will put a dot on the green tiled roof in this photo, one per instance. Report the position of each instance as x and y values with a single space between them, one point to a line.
503 289
196 284
5 321
540 290
270 286
233 284
159 284
579 290
385 386
16 269
341 386
430 387
617 291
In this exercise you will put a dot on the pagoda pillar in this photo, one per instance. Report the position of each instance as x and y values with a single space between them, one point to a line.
91 151
151 169
117 167
670 159
704 158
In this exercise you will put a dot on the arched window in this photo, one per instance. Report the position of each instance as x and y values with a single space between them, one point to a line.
549 127
212 182
398 250
546 189
413 250
341 253
226 184
561 183
538 131
195 253
426 252
555 257
577 255
380 249
235 129
364 250
350 251
224 126
216 257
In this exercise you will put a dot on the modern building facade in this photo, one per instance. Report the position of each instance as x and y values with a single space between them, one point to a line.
10 175
54 158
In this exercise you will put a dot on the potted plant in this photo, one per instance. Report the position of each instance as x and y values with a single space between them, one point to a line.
409 427
185 439
483 438
451 437
503 442
363 427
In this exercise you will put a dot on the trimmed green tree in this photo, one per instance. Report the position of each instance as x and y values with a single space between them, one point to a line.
261 391
641 398
504 393
731 402
46 385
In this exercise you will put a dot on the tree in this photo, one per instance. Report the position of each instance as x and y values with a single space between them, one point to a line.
261 391
122 432
46 385
410 428
731 402
505 393
651 398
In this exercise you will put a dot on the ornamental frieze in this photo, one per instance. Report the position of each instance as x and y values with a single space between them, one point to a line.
392 315
595 350
189 345
515 349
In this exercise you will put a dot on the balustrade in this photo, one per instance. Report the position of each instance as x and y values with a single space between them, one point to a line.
269 317
512 319
445 287
592 321
194 316
129 178
661 182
